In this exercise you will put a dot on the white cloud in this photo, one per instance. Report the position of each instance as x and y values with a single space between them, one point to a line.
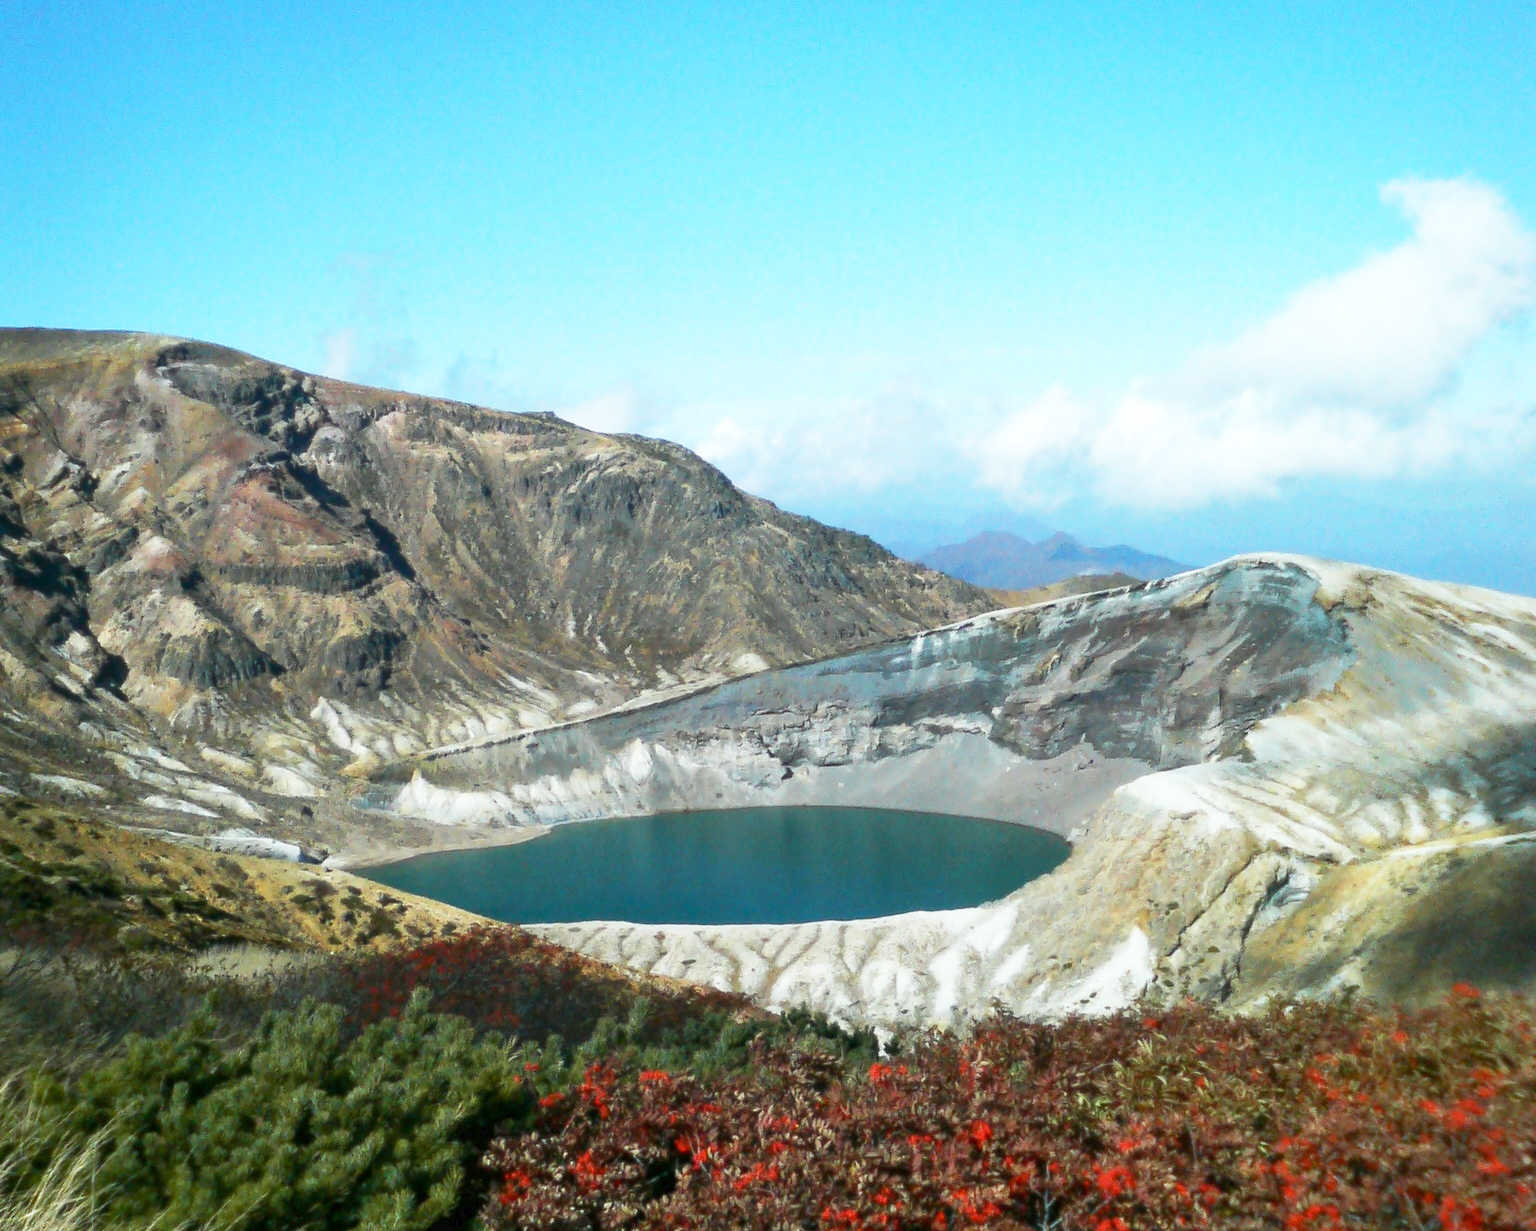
340 353
1352 378
1043 439
1359 375
618 411
1395 327
1157 454
797 449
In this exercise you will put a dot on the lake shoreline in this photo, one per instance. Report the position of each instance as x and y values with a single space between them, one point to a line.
469 838
456 838
708 866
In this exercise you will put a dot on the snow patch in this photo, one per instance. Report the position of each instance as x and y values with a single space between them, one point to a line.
329 715
244 842
1120 979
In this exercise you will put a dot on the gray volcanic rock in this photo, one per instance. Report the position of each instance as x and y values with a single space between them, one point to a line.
202 551
1165 675
1279 776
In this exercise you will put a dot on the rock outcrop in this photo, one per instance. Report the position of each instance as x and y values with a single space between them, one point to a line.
1089 690
1279 776
205 557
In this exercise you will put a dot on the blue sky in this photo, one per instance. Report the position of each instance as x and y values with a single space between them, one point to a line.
1203 278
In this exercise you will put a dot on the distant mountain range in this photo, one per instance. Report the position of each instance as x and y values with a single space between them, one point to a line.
1003 561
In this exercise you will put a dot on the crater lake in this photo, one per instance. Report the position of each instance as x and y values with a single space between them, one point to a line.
751 865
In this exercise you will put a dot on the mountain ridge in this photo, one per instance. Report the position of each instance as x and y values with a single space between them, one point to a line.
1001 560
216 557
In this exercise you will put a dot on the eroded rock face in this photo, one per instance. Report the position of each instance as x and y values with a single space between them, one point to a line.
1098 689
1272 771
199 548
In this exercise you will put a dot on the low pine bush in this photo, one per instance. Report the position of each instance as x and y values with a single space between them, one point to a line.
295 1128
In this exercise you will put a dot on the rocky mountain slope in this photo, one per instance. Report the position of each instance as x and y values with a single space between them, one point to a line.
225 581
1279 776
69 881
1002 561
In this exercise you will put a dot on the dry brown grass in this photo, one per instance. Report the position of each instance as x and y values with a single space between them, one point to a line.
114 891
64 1198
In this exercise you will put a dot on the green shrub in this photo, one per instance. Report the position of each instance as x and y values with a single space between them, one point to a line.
295 1128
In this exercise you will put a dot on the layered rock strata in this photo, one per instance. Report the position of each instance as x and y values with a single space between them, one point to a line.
1273 771
254 582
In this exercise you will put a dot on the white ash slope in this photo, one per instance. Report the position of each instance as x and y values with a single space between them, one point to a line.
1033 714
1304 721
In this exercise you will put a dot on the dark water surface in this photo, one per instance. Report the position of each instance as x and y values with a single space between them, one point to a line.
750 865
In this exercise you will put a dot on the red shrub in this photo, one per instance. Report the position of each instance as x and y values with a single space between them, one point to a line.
507 980
1314 1116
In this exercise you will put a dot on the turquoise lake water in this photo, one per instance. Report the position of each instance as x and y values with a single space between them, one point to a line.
752 865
